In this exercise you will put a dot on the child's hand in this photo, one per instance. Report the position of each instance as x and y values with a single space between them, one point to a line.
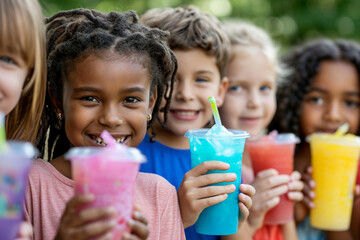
296 187
25 231
302 208
138 227
245 201
86 223
309 186
194 197
269 186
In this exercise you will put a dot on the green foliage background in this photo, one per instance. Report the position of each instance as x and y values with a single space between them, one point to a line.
289 22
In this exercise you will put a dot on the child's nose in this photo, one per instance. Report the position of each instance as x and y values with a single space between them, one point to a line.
333 112
110 117
253 99
183 91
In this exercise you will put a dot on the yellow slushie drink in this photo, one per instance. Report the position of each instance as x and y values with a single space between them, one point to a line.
334 159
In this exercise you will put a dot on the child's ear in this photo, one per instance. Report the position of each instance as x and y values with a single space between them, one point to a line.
55 101
152 101
224 84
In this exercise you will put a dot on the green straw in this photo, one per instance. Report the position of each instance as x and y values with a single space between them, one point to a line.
342 130
215 111
2 131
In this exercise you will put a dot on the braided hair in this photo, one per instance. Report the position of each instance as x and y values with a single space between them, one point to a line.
75 34
304 63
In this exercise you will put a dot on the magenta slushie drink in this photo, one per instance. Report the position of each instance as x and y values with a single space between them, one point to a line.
109 174
15 161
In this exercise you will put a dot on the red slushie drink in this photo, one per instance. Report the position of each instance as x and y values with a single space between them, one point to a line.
15 161
275 152
109 173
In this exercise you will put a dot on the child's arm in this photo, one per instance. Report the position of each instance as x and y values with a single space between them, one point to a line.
269 186
245 202
194 197
87 223
289 231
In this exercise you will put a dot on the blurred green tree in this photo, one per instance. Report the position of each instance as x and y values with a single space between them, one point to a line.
288 22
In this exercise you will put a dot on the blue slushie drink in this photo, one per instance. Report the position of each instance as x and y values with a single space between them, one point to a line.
219 144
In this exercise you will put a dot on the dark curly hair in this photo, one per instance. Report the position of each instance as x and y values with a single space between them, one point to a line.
75 34
304 62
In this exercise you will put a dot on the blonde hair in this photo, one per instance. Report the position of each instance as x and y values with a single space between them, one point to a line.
22 32
248 35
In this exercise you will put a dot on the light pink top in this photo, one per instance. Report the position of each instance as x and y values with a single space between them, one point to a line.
48 192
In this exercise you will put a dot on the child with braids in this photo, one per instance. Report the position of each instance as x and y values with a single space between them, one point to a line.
202 50
321 93
22 72
105 72
254 72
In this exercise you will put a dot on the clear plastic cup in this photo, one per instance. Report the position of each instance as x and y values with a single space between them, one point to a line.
277 153
334 161
222 218
109 174
15 162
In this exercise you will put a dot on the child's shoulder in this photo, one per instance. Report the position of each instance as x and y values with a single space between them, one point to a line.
42 172
39 167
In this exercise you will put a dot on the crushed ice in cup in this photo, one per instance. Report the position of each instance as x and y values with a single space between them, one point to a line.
219 130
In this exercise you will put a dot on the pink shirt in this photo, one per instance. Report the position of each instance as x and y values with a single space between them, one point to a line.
48 192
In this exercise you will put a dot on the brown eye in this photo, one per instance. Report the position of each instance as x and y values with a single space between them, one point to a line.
316 100
132 100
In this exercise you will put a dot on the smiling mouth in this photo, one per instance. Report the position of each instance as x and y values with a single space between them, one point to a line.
185 112
99 141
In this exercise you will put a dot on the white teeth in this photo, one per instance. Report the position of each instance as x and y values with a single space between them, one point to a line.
99 141
186 113
121 140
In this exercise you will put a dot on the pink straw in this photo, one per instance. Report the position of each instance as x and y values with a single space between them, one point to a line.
108 139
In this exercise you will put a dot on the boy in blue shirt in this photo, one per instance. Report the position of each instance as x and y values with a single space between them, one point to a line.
202 50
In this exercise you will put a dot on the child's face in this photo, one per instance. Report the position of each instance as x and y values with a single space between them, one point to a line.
250 101
197 79
13 72
107 94
333 99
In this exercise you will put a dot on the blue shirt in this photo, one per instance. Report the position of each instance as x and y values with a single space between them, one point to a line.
172 164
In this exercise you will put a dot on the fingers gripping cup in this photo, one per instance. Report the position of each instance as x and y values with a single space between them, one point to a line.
275 151
205 145
334 159
109 173
15 161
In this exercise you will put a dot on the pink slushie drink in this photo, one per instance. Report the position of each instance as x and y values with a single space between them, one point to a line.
275 152
109 174
15 161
